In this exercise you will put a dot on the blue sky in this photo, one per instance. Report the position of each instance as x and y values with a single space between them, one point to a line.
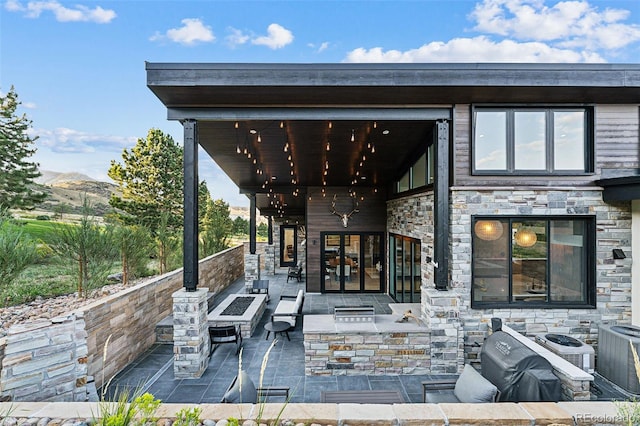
78 67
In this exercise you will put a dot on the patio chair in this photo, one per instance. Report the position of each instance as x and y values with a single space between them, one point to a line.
469 387
295 272
245 391
224 334
259 287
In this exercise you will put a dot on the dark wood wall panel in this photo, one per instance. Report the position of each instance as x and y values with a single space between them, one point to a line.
371 218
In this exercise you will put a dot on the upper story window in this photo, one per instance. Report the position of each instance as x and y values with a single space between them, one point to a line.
421 173
535 141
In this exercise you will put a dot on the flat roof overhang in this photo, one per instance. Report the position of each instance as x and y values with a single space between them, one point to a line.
624 188
408 98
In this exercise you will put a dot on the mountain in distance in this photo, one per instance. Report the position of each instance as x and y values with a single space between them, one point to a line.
69 189
51 178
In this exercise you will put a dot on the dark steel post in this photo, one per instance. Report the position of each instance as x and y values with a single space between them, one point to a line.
270 231
441 210
190 233
252 223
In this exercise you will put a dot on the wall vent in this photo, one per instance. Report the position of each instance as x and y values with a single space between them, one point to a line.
615 358
573 350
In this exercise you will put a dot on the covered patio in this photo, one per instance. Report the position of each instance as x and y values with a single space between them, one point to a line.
153 371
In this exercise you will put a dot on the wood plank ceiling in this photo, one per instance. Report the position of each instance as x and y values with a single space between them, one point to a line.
278 160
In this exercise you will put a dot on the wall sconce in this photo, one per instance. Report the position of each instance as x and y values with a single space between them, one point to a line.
488 230
619 254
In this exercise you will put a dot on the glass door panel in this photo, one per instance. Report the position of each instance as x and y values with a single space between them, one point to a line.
371 262
405 274
351 263
288 246
416 272
331 262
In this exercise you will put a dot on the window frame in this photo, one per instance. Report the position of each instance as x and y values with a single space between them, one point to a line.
510 170
589 259
429 172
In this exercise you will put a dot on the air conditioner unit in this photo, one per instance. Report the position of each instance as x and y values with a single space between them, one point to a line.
615 358
573 350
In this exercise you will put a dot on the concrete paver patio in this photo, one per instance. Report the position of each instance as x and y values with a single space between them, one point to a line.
153 371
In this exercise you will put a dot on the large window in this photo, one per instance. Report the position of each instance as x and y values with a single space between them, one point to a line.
533 262
532 141
421 173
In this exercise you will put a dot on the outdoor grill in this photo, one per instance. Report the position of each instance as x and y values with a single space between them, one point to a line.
519 373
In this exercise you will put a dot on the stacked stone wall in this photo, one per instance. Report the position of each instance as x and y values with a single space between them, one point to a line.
46 361
117 328
334 354
613 277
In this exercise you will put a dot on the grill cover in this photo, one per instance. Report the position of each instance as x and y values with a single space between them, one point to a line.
519 373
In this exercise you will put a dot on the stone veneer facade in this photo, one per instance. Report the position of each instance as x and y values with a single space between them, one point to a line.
412 216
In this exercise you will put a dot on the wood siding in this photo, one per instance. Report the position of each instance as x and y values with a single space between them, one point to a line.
616 145
371 218
617 139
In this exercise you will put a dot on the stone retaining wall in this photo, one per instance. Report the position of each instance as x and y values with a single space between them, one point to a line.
46 361
600 413
367 353
125 320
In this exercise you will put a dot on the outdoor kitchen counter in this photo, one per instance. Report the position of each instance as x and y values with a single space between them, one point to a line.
380 347
382 324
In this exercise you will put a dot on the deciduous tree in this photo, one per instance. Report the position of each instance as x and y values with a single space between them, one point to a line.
16 146
215 228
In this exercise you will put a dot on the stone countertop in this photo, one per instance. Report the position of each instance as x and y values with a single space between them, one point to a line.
382 324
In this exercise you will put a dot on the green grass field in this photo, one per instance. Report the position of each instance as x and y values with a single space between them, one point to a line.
43 230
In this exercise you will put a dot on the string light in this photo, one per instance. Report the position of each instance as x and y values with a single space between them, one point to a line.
259 138
353 135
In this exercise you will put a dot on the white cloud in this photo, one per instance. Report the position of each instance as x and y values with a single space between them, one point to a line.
524 31
321 48
236 37
477 49
192 31
79 13
64 140
277 37
574 24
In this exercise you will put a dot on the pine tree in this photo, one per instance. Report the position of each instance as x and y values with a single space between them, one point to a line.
16 146
151 182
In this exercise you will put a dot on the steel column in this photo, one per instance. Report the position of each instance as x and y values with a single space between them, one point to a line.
190 233
441 210
252 223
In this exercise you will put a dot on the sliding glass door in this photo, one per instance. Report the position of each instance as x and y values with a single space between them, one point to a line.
405 271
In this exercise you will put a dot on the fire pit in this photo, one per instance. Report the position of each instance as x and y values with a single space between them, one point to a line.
239 309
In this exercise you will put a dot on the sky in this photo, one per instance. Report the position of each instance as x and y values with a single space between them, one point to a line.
79 67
